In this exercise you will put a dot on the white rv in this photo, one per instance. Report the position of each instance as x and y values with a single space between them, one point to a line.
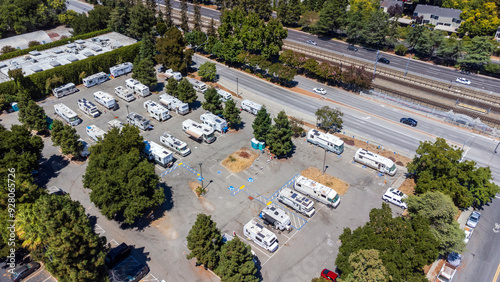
139 121
261 236
121 69
64 90
156 110
95 132
276 217
297 201
198 85
215 122
158 154
175 144
124 93
317 191
95 79
141 90
224 95
175 74
250 106
198 132
67 114
88 107
173 103
130 83
105 99
115 124
375 161
326 141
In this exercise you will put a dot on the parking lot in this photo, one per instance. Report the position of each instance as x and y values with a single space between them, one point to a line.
232 199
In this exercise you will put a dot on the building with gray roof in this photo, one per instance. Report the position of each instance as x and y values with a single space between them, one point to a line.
443 18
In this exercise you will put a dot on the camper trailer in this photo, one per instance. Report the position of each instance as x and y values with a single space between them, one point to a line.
198 132
130 83
139 121
224 95
115 124
141 90
95 79
124 93
105 99
276 217
375 161
173 103
156 110
88 107
250 106
67 114
261 236
158 154
175 74
326 141
64 90
174 144
95 132
198 85
121 69
215 122
297 201
317 191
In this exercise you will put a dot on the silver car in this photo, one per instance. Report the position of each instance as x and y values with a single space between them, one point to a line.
473 219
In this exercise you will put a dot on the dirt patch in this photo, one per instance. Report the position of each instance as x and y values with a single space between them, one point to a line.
207 206
240 160
315 174
408 186
194 186
166 227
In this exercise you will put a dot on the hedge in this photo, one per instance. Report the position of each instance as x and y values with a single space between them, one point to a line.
53 44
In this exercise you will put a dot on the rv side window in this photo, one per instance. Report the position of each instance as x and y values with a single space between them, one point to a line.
300 185
360 157
258 239
323 196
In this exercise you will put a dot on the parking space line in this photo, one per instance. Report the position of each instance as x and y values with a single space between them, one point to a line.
248 241
98 229
114 242
150 279
279 248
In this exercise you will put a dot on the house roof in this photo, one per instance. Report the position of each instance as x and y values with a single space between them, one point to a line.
438 11
390 3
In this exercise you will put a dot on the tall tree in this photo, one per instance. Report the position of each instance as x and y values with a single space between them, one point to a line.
184 17
212 102
119 19
212 31
142 21
66 137
144 71
332 16
232 114
171 50
261 124
204 241
186 92
478 52
197 16
272 38
171 87
168 14
236 262
147 47
367 266
279 137
450 50
263 9
481 20
207 71
329 119
31 115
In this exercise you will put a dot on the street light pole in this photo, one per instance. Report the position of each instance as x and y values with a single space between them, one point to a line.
237 87
201 175
497 147
406 70
127 109
376 61
324 159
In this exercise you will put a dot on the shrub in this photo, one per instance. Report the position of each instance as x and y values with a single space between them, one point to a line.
401 50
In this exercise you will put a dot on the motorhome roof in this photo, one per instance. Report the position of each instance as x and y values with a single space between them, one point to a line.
157 149
276 213
315 186
251 104
259 230
297 197
87 103
383 160
327 137
174 140
69 113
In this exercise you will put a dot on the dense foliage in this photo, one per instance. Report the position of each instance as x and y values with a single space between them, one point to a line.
66 137
279 137
232 114
207 71
261 124
172 53
213 102
329 119
236 262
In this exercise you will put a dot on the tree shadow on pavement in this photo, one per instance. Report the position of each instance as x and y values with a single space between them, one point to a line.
50 168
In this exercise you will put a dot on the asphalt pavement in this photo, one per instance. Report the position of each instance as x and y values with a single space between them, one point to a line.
78 6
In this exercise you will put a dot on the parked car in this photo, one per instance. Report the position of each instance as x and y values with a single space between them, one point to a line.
473 219
409 121
463 80
24 271
85 151
454 259
468 234
312 42
352 48
130 274
394 196
384 60
319 91
330 275
117 254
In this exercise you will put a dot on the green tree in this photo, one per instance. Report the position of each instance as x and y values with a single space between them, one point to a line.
207 71
66 137
147 47
31 115
197 16
309 19
119 19
195 38
186 92
171 87
142 21
204 241
296 125
263 9
97 19
212 31
232 114
332 17
212 102
376 29
236 262
478 53
33 43
367 267
168 14
171 50
279 137
184 17
7 49
480 20
261 124
272 38
329 119
161 28
144 71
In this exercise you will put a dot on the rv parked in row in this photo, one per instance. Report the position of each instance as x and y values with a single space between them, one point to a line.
64 90
178 146
198 85
115 124
138 88
198 132
124 93
326 141
158 154
250 106
297 201
261 236
317 191
156 110
375 161
215 122
95 132
95 79
173 103
88 107
105 99
224 95
276 217
175 74
67 114
139 121
121 69
131 83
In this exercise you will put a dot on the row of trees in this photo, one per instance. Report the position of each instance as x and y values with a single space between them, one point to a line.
277 136
182 90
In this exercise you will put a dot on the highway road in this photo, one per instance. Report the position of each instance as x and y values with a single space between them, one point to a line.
78 6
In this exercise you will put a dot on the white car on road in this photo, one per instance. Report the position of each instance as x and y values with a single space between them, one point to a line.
463 80
319 91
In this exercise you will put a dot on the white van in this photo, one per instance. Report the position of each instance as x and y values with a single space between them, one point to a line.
394 196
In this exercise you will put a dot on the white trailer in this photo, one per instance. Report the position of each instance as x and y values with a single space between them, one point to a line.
250 106
261 236
297 201
64 90
215 122
88 107
326 141
173 103
375 161
198 132
141 90
156 110
158 154
67 114
317 191
224 95
171 142
124 93
139 121
198 85
121 69
105 99
95 79
175 74
115 124
130 83
95 132
276 217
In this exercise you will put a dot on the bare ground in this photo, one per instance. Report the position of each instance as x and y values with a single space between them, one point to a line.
315 174
240 160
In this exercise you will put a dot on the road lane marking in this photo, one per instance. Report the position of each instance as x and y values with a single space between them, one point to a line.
496 274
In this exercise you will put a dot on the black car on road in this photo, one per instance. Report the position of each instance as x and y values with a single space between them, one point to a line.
352 48
24 271
409 121
384 60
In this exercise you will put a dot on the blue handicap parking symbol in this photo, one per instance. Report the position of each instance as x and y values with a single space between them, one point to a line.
200 179
219 172
250 179
231 188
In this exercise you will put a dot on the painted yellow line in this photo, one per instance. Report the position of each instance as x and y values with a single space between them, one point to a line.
268 203
198 174
497 273
242 186
180 164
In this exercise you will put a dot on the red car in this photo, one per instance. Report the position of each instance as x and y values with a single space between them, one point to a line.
330 275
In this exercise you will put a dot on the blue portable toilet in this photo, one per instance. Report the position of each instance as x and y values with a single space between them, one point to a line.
255 144
15 107
262 145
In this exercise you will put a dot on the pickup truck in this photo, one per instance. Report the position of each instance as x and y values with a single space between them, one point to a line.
446 273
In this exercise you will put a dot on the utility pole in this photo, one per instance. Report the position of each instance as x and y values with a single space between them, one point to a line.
237 88
201 175
497 147
406 70
324 159
376 61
